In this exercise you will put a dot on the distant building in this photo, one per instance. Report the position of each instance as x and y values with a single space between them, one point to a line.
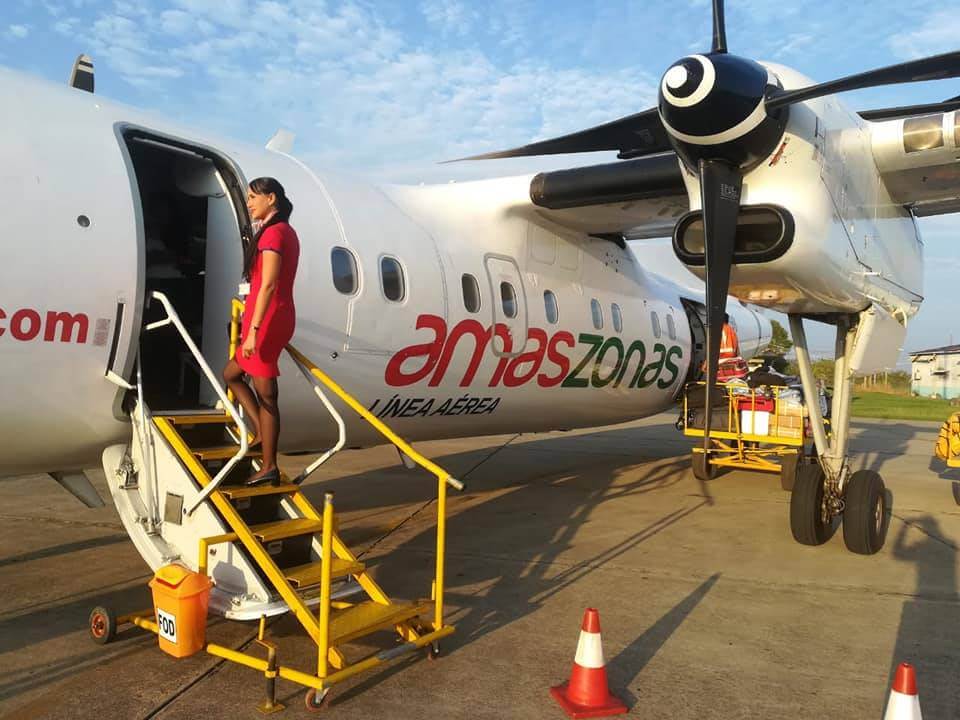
936 372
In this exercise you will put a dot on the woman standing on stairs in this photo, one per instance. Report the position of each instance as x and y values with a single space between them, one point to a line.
270 265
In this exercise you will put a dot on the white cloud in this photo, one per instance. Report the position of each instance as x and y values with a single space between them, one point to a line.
449 16
18 31
937 34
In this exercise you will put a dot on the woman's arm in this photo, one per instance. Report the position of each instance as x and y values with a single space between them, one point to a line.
270 274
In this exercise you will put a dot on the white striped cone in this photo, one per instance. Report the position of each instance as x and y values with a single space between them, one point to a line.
586 695
904 703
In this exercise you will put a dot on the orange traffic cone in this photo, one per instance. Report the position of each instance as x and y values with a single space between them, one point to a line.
904 703
586 694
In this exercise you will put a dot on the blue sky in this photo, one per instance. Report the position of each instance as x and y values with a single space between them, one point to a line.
387 89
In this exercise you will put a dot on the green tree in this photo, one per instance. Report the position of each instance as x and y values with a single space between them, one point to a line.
780 342
823 370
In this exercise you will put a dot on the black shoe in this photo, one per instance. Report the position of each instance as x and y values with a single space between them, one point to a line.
271 476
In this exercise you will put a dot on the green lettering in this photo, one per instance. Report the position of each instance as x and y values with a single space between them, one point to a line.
594 341
613 342
651 371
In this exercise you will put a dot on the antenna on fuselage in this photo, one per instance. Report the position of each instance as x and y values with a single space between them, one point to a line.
81 77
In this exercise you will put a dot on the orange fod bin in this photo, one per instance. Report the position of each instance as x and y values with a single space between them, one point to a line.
180 599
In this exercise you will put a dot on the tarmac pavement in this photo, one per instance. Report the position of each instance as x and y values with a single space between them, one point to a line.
708 607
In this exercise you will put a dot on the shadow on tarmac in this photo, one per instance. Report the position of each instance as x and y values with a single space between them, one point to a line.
929 632
629 662
514 545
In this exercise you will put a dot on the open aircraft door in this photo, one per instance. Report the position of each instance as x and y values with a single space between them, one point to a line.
509 303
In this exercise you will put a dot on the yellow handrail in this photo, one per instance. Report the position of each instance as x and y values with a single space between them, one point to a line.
373 420
443 477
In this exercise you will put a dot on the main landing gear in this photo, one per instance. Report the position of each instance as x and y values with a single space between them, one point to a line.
826 491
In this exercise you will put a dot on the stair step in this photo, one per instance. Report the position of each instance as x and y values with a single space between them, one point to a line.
367 617
309 574
222 452
236 493
205 419
286 528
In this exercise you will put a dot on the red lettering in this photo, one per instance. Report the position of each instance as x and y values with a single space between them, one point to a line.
394 374
481 338
67 323
3 316
16 324
558 359
535 357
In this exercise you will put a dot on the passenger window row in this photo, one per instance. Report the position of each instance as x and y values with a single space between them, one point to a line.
393 285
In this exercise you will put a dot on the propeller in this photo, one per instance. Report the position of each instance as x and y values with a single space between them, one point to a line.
937 67
723 115
720 187
633 136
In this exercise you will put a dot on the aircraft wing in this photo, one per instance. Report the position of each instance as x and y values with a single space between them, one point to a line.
918 160
643 197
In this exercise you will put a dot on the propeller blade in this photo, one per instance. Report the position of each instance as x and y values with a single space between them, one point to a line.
634 136
719 28
720 186
937 67
909 110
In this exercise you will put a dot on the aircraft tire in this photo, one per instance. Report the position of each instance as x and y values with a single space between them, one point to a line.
865 513
806 507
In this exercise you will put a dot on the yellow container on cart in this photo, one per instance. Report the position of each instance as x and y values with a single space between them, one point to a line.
180 600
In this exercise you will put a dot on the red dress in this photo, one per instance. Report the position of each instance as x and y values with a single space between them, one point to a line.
276 328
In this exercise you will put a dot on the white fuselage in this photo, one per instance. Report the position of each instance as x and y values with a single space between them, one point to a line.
81 254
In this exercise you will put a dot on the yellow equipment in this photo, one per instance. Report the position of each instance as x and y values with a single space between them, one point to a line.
755 431
948 442
307 588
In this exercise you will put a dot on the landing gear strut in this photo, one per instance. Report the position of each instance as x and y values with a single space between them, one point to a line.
826 489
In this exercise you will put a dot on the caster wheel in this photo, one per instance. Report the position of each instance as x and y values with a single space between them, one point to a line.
865 513
702 468
810 522
788 471
433 651
316 700
102 624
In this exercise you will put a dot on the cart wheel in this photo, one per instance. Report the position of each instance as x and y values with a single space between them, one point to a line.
810 521
433 651
788 470
865 513
315 700
703 469
102 624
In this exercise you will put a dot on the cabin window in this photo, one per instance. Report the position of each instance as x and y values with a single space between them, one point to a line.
344 266
508 296
597 313
671 328
471 293
550 305
391 279
655 322
617 317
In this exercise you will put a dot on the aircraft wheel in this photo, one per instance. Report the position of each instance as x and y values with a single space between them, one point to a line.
703 469
810 521
865 513
316 700
102 624
789 466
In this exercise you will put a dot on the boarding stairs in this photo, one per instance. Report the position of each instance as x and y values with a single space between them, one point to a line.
180 490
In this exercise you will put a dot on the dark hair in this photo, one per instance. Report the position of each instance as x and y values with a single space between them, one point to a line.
266 186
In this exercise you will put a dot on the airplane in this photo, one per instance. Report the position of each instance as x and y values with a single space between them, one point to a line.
504 305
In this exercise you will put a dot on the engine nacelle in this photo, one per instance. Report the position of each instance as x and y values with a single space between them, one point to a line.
820 232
